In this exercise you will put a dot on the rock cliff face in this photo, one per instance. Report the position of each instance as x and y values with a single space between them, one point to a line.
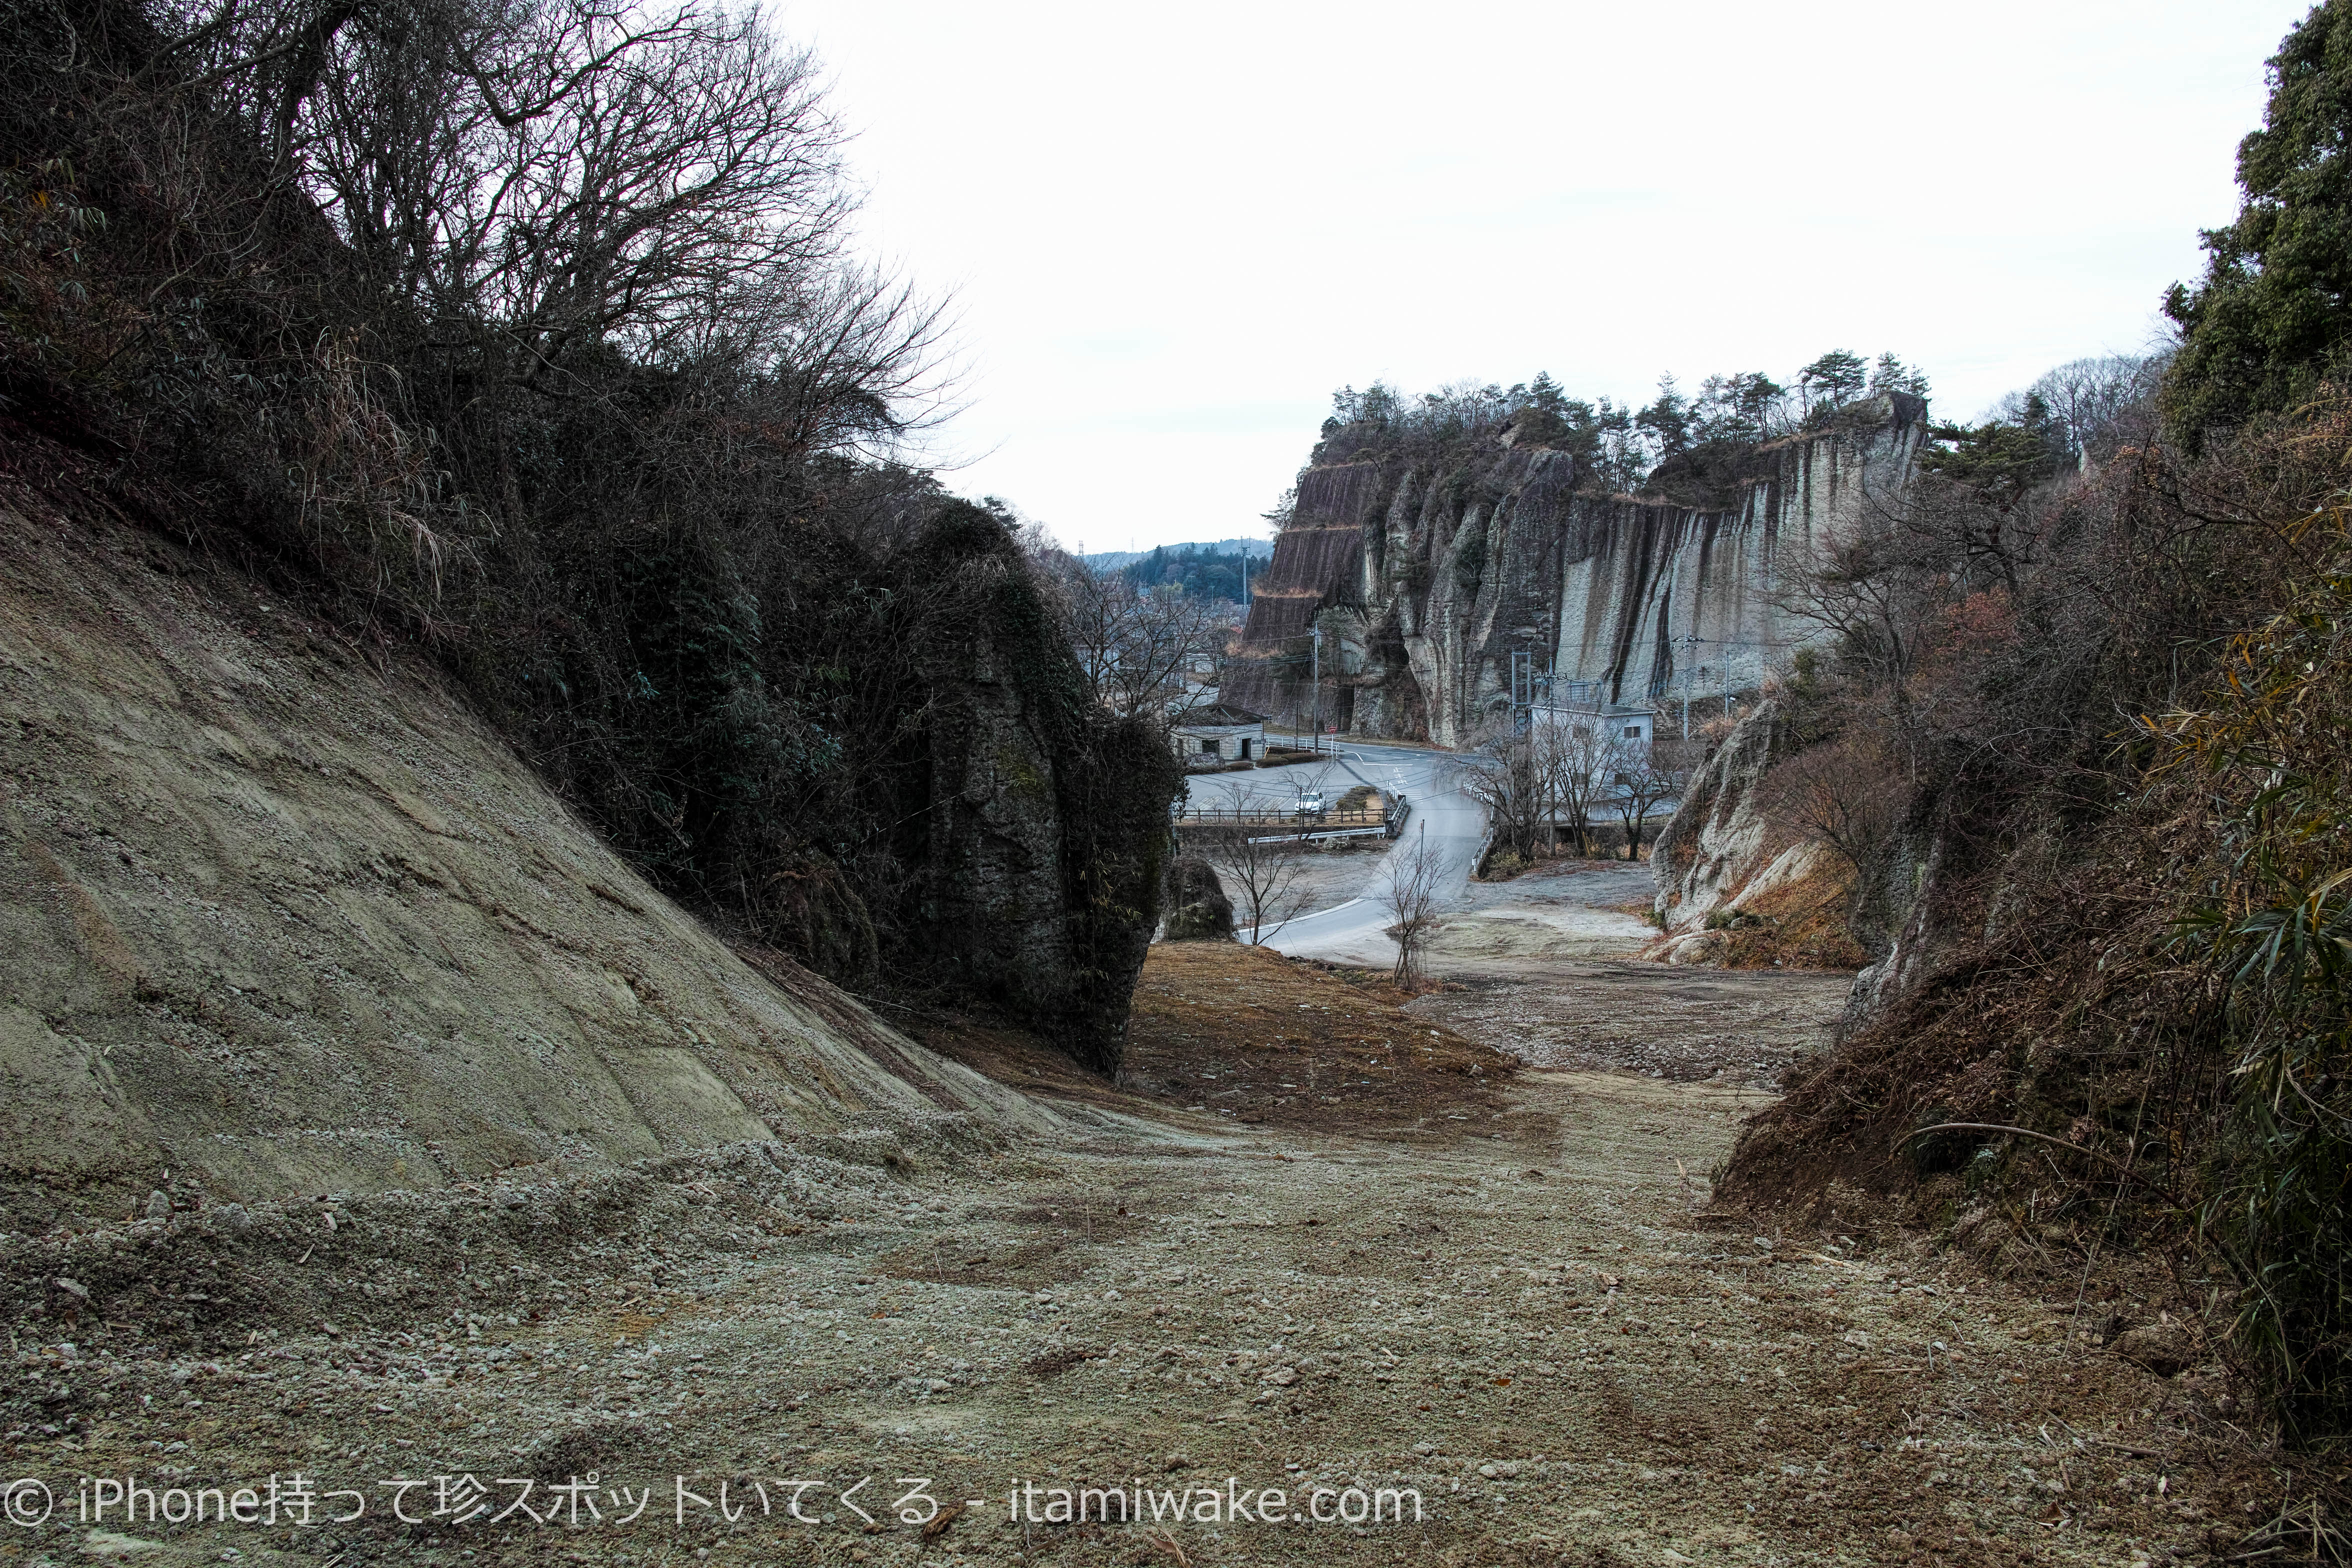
1036 826
1720 840
281 920
1723 862
1738 885
1427 567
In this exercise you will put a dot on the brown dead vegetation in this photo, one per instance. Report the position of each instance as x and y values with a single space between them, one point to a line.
1249 1036
1799 924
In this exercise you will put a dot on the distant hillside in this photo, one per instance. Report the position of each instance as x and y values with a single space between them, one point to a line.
1112 560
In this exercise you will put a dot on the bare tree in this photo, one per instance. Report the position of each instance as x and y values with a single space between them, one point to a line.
1136 649
1845 795
2096 404
1572 755
1639 785
1516 789
1883 597
520 180
1260 863
1978 541
1410 895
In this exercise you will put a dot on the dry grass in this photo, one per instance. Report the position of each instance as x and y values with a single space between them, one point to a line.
1806 926
1245 1034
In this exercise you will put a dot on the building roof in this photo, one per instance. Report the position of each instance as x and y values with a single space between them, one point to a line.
1604 710
1218 716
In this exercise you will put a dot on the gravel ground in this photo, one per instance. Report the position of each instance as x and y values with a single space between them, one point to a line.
1537 967
1689 1025
1493 1297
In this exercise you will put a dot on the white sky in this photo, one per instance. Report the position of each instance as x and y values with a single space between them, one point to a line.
1173 231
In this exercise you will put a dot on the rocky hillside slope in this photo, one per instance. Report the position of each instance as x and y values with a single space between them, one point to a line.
284 919
1427 568
1737 884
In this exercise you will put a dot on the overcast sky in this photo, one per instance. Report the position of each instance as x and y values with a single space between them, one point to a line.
1172 231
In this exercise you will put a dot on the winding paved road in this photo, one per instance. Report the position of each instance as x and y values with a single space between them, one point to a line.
1448 820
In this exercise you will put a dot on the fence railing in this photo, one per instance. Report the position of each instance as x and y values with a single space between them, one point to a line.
1222 816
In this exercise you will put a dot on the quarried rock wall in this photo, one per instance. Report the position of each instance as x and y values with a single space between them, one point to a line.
1428 566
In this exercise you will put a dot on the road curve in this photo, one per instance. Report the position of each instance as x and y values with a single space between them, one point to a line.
1442 817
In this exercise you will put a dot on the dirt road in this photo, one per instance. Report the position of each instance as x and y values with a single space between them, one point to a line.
1313 1245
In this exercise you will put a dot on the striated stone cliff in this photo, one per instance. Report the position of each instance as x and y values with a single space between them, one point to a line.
1727 873
1427 565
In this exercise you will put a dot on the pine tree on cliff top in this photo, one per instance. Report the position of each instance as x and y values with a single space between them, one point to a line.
2273 316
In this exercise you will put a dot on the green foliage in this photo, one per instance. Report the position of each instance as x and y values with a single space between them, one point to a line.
1616 446
2001 462
1376 404
1667 419
2276 930
1835 378
1891 375
2274 314
1741 409
1599 434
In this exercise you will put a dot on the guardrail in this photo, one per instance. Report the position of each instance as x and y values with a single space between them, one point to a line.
1314 834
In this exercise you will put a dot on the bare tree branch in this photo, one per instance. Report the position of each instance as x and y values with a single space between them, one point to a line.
1410 895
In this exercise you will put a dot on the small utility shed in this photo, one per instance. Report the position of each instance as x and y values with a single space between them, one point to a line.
1219 733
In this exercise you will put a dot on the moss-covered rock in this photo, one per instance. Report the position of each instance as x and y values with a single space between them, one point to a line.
1198 908
1040 843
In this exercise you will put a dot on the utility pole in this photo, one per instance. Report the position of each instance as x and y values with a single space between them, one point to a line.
1315 656
1690 648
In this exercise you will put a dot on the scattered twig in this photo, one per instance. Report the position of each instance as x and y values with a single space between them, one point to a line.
2136 1453
1824 1258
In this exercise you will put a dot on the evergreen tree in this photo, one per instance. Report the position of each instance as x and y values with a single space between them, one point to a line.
2000 461
1667 421
1834 379
2274 315
1891 375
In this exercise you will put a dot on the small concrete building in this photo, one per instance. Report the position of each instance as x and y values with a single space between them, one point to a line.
1611 736
1631 727
1218 734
